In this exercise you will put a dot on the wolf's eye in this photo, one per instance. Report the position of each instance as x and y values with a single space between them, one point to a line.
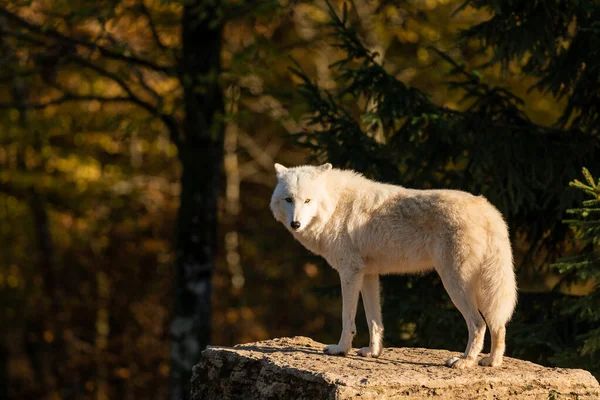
288 199
307 201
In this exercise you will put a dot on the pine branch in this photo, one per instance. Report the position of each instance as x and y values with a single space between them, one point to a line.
494 138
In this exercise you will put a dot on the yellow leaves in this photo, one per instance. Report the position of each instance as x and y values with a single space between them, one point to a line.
13 115
311 270
317 14
102 327
65 164
391 12
544 105
431 34
154 246
431 4
246 313
113 171
48 336
234 315
169 88
407 330
164 369
99 86
55 396
514 68
171 150
423 55
458 165
407 36
11 279
231 316
32 158
50 111
142 145
90 386
104 140
80 171
175 189
99 244
94 106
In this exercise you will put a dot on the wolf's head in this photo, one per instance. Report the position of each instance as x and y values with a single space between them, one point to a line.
299 191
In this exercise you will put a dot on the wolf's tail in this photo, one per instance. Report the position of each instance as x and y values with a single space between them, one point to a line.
497 297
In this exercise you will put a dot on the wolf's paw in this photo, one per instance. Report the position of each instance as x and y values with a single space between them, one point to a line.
368 352
335 350
489 362
460 363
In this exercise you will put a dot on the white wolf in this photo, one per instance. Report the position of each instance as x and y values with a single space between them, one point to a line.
365 228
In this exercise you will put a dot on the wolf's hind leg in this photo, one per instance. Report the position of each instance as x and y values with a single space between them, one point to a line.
370 296
465 300
498 346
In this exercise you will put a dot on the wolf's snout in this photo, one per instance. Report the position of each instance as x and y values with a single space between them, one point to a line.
295 224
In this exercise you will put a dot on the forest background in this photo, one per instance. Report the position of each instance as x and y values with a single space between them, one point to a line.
137 143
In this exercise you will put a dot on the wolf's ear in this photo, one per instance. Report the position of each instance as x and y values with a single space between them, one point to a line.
280 169
325 167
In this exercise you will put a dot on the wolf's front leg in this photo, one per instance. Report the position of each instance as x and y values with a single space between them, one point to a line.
351 283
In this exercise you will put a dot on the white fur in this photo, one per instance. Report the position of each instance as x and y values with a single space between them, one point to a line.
365 228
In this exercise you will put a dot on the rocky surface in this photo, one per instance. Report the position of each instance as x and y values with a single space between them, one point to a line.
296 368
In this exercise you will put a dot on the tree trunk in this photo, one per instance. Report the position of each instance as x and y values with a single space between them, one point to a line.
201 155
4 378
232 193
45 326
102 333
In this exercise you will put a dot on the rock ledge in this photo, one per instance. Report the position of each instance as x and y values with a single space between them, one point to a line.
296 368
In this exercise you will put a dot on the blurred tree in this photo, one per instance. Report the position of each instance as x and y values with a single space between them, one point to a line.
92 38
47 362
375 123
107 81
201 156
